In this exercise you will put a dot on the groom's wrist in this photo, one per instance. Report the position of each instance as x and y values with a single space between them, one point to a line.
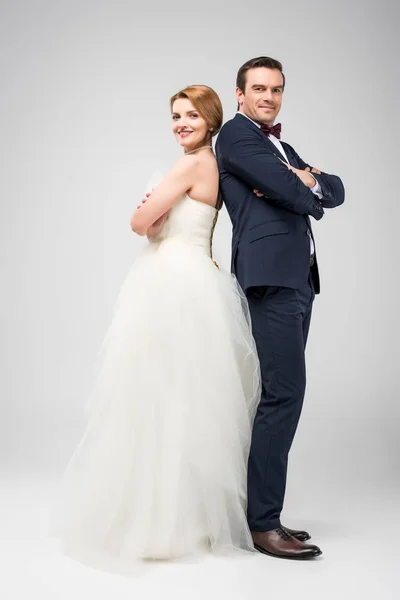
313 181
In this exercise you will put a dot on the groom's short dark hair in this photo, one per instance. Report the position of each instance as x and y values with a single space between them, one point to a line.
254 63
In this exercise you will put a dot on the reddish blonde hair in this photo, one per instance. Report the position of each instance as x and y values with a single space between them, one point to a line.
206 101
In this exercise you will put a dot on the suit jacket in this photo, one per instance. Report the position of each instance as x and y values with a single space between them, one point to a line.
270 236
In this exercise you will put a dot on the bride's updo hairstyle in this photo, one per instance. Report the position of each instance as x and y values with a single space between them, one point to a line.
206 101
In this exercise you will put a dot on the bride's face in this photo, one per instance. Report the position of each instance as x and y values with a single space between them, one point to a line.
189 127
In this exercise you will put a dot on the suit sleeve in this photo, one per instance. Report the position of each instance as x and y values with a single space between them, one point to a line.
248 160
332 188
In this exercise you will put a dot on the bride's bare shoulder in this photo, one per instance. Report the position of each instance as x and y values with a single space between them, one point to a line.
188 161
186 165
197 158
200 167
208 163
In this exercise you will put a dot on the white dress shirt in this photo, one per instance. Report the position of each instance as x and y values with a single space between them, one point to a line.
315 190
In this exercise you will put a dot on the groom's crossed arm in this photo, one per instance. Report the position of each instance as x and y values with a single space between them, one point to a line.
332 188
248 160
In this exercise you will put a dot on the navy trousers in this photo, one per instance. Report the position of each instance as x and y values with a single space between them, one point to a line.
281 320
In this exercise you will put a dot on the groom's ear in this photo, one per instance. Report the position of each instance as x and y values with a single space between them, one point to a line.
239 96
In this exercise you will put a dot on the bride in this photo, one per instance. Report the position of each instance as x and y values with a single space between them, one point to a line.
161 470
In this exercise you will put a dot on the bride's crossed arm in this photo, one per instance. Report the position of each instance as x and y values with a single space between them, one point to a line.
179 180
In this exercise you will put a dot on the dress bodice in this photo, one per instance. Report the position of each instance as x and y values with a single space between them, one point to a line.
192 222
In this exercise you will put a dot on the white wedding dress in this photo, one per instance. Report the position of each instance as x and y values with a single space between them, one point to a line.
161 470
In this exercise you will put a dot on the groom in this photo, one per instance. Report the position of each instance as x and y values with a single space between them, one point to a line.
271 195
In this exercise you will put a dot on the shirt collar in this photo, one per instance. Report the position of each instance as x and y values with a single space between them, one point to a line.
257 125
243 115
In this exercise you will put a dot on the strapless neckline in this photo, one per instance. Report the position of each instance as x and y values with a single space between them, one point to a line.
213 208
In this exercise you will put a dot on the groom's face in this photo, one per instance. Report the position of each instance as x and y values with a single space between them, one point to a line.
261 99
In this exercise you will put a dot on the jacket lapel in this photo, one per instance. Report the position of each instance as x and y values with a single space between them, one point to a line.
291 157
271 147
274 149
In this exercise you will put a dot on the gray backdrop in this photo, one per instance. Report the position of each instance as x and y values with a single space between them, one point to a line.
85 122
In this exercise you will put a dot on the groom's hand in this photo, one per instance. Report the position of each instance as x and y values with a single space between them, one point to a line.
305 176
297 171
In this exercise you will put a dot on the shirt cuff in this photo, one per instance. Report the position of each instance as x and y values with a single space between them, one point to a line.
317 189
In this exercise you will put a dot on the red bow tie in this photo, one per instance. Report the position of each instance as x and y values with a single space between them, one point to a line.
274 130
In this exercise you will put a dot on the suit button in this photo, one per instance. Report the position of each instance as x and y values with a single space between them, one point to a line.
308 232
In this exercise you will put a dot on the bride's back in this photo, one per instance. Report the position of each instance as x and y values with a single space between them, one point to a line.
206 185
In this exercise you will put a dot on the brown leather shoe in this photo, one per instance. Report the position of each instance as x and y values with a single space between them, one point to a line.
281 544
299 534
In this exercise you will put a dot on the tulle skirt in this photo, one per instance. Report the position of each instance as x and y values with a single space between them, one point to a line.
161 470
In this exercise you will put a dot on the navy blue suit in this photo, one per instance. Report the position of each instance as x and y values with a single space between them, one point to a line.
271 260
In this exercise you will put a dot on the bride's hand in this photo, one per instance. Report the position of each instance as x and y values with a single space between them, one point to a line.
145 199
156 227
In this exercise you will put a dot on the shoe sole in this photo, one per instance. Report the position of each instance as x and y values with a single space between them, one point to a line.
304 557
